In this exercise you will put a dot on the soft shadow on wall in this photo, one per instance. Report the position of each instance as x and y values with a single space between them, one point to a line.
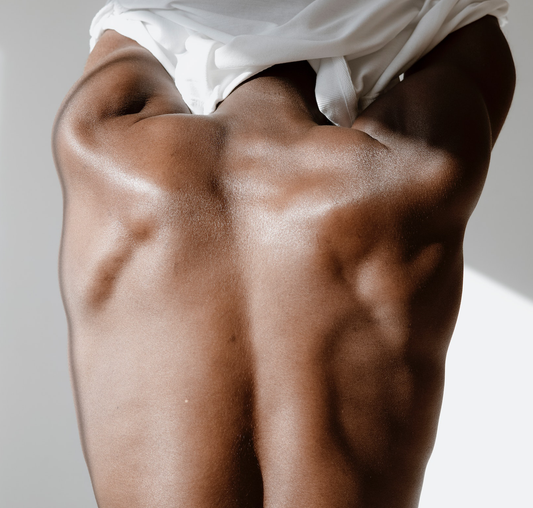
499 239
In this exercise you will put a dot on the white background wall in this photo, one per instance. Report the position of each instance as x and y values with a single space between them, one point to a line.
484 448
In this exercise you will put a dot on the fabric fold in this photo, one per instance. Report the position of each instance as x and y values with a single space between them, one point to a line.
358 48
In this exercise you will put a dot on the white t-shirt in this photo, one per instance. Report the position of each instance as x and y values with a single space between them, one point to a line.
358 48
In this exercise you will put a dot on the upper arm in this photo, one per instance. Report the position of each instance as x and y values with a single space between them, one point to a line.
442 120
122 83
460 91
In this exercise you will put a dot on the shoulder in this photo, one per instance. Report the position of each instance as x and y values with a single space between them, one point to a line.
122 83
123 104
441 122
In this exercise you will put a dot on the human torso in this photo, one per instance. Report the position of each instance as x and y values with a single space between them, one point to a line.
257 311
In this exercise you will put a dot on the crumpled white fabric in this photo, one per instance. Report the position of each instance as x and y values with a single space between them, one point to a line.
358 48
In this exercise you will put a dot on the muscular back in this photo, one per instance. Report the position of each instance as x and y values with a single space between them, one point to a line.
259 303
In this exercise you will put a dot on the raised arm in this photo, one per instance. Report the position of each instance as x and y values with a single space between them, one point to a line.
121 84
443 119
460 91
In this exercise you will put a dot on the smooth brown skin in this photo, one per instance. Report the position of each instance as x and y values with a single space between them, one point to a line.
260 304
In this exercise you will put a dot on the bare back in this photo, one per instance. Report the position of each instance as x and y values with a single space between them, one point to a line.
260 305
